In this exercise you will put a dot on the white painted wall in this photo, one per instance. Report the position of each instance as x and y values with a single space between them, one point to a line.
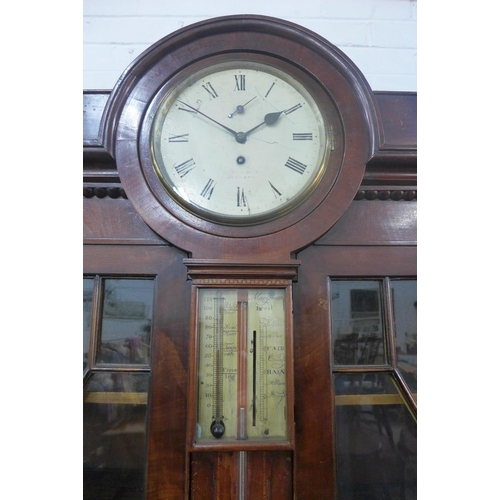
379 36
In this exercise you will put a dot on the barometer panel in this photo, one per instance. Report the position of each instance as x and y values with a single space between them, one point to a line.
242 365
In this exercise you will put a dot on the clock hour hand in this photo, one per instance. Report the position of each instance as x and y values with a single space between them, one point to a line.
269 119
230 130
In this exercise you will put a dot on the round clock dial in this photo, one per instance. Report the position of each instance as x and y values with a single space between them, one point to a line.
239 143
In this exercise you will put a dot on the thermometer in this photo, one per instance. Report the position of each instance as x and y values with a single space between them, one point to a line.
241 364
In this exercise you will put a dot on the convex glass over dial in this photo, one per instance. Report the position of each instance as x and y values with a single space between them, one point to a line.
239 142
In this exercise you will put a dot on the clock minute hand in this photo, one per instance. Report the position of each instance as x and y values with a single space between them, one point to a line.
269 119
230 130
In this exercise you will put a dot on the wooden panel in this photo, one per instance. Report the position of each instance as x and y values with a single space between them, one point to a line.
115 221
93 106
213 476
375 223
117 259
268 474
167 474
351 261
395 163
398 111
314 437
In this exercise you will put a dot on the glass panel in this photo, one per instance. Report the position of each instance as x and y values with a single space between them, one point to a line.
357 323
88 289
126 322
404 294
114 436
376 440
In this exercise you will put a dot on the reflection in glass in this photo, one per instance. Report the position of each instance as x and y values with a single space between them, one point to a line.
357 323
88 288
126 322
114 436
404 294
376 439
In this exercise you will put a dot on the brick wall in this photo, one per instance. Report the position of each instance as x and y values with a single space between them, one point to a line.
378 35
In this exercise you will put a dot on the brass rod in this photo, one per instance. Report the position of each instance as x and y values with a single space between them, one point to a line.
389 316
109 367
362 369
242 475
406 393
94 326
122 398
369 399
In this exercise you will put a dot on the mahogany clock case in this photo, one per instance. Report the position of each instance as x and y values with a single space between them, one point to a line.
332 79
333 129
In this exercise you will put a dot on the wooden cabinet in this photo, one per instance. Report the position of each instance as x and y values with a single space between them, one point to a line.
372 238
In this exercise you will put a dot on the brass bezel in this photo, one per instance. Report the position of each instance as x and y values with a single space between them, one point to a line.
169 93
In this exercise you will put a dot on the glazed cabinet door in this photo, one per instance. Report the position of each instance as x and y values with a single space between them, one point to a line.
355 373
136 338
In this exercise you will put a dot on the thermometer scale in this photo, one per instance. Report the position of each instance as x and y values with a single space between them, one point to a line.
242 363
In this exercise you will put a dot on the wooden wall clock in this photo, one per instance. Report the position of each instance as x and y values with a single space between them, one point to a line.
241 135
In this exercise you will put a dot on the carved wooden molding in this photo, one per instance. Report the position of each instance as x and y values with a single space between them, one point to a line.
116 192
113 192
242 282
213 271
385 194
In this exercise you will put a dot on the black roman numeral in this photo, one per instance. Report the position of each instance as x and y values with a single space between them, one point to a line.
188 110
208 189
241 199
296 166
240 82
178 138
270 88
208 87
303 137
275 191
185 167
291 110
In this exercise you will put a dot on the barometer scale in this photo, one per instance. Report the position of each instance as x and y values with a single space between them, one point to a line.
243 355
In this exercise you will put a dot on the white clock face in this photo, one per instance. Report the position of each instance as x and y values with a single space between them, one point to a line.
239 143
